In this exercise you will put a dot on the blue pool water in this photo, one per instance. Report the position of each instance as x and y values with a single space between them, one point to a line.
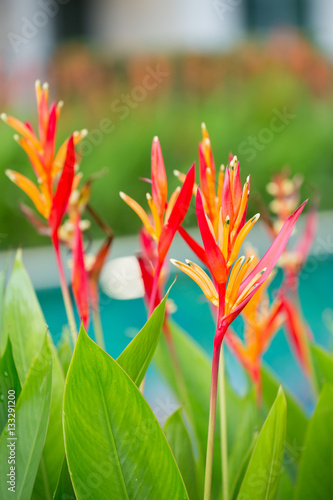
123 319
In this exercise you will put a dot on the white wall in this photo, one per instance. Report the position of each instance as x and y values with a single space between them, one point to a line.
153 25
321 22
26 38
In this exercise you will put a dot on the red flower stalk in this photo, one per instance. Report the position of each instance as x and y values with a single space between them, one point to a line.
147 259
166 217
80 285
86 269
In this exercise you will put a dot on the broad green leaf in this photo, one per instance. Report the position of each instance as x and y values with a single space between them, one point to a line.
261 480
3 333
64 489
65 350
244 441
297 420
194 393
286 488
137 356
23 319
32 413
180 443
323 364
242 467
54 449
114 445
8 381
26 327
315 479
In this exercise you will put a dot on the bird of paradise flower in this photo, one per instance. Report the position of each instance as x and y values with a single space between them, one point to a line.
222 223
55 173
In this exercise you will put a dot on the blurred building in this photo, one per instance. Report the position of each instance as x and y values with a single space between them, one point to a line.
30 29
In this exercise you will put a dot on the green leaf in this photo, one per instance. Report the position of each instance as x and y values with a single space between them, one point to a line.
297 420
286 488
247 433
64 489
32 413
23 319
315 480
194 394
137 356
114 445
242 467
261 480
323 364
26 327
180 443
65 350
8 381
54 448
3 333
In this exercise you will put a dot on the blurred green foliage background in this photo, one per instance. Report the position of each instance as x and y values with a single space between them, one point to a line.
236 94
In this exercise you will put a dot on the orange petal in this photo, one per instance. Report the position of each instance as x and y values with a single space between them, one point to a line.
29 188
22 129
33 157
158 177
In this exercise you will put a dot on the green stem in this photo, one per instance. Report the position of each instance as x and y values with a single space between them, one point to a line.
212 420
223 423
96 315
98 328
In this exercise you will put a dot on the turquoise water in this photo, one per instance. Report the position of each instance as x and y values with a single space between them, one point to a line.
123 319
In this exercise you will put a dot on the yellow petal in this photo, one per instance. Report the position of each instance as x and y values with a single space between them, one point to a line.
245 195
220 186
207 284
201 279
61 155
171 204
154 212
140 212
241 237
233 286
249 287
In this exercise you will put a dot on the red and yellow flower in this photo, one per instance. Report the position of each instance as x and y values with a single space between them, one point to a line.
165 216
222 222
55 172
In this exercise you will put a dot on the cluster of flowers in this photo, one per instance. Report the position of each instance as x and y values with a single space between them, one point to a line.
236 284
